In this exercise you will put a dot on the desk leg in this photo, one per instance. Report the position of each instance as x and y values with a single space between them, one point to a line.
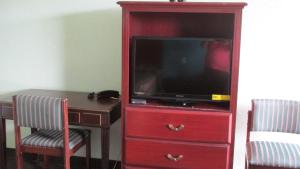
2 144
105 147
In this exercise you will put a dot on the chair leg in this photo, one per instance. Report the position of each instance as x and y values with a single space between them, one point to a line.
45 162
67 161
88 152
2 144
19 160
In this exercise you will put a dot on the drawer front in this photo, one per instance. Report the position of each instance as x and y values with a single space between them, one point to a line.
176 155
90 119
6 111
74 118
178 125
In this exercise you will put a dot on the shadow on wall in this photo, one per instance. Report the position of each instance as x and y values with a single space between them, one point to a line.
92 50
76 52
92 53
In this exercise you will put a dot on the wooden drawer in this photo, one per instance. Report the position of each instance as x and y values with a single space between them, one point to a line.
90 119
158 154
6 111
74 118
178 125
85 119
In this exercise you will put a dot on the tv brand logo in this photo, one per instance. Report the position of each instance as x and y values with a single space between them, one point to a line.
178 95
184 60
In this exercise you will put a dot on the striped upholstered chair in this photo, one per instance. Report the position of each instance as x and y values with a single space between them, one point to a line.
270 115
53 138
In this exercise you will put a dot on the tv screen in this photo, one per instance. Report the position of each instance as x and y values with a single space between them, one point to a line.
181 69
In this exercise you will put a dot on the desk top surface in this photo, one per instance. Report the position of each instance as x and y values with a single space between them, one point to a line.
78 101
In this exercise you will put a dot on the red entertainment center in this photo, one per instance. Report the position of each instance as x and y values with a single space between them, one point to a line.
156 132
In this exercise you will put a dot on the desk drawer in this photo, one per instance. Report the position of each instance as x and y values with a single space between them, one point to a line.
90 119
85 119
7 111
74 118
158 154
178 125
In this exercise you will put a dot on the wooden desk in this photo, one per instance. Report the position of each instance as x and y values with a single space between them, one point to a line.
82 112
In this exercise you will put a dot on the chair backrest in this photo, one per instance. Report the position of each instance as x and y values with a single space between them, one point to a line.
275 115
42 112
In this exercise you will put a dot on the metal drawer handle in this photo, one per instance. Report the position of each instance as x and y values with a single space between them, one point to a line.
174 158
178 128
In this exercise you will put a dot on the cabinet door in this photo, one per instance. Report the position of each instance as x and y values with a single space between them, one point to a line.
178 125
162 154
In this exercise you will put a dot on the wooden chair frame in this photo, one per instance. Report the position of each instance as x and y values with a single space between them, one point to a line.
249 129
65 151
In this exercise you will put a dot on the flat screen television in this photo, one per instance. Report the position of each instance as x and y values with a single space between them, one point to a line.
180 69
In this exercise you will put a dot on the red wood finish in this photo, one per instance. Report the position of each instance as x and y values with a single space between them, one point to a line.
105 112
6 111
78 101
19 158
105 147
164 154
45 162
66 148
171 24
249 125
130 167
147 123
90 119
2 143
66 152
178 125
74 118
88 152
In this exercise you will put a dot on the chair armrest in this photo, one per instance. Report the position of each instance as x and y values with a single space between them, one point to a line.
249 127
247 156
249 124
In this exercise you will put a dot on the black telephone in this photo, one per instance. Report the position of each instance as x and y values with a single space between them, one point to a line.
105 94
108 94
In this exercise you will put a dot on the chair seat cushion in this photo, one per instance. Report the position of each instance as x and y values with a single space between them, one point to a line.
274 154
54 138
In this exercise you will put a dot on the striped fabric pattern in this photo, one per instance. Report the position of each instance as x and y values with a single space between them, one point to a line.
54 138
276 115
274 154
41 112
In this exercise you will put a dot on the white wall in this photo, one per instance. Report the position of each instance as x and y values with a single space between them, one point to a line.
269 59
76 45
64 45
